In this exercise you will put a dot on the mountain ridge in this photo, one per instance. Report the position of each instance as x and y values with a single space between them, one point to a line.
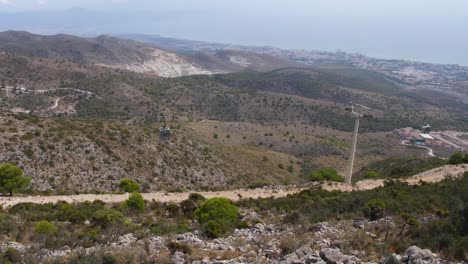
108 51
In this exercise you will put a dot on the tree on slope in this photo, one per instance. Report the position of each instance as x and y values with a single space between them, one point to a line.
12 179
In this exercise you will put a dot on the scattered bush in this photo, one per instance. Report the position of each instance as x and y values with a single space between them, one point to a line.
135 202
7 224
375 209
371 175
129 185
393 168
458 158
189 206
12 255
196 197
107 258
292 218
162 228
175 246
215 228
218 216
45 228
326 175
107 217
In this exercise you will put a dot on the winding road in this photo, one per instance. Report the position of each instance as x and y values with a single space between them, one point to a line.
430 153
434 175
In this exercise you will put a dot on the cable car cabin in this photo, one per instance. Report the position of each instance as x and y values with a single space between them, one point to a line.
418 141
164 133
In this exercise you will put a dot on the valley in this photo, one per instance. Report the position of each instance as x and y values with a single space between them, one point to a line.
282 122
252 169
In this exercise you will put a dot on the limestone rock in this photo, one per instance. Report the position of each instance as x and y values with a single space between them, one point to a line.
333 256
416 255
178 258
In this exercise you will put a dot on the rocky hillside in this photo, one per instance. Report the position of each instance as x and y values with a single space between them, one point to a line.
259 244
93 155
260 128
108 51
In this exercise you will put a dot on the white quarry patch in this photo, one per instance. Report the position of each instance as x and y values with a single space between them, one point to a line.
164 64
243 61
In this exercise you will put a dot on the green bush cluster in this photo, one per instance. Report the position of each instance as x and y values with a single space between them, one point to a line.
135 202
218 216
129 185
375 209
189 206
12 255
74 213
7 225
458 158
162 227
326 175
394 168
107 217
371 175
45 228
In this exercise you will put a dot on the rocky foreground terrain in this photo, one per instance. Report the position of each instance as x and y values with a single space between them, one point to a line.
263 243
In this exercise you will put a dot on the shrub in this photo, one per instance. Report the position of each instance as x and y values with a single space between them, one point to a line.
326 175
107 258
196 197
189 206
129 185
371 175
7 224
292 218
135 202
175 246
172 209
12 255
393 168
214 228
162 228
45 228
69 212
458 158
107 217
375 209
218 216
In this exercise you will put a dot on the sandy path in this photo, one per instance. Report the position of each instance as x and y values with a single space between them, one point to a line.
434 175
234 195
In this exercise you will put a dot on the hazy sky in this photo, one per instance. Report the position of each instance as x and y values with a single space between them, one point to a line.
426 30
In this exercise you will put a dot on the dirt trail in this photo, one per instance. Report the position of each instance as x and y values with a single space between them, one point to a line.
434 175
234 195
